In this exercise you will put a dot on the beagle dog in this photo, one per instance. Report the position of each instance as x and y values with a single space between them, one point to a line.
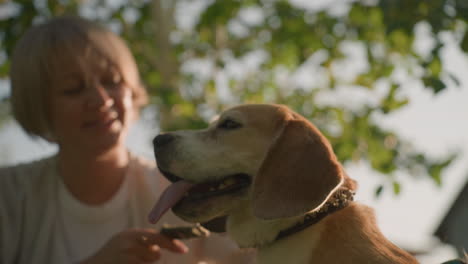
274 178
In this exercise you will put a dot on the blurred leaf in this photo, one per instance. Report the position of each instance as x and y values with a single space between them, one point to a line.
390 102
379 190
454 79
434 83
435 169
396 187
435 66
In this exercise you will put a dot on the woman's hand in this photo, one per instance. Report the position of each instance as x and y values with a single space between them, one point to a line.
135 246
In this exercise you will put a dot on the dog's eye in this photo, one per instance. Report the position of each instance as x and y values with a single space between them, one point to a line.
229 124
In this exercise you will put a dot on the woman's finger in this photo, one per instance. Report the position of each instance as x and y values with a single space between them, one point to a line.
165 242
151 237
146 253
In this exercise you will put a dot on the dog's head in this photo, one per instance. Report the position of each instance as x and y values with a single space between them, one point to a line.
265 155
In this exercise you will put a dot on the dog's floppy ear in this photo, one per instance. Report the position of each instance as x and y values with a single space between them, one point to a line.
298 175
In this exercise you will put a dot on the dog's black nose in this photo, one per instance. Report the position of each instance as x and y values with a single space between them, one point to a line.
163 139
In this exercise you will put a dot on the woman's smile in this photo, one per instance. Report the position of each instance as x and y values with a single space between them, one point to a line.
102 122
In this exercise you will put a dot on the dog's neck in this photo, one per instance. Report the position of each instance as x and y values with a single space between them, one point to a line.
339 200
249 231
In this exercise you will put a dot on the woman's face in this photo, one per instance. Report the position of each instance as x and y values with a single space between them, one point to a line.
91 107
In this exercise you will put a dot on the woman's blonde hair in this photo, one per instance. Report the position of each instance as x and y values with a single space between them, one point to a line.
35 58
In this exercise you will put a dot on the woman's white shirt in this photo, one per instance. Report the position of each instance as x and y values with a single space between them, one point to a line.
79 220
41 222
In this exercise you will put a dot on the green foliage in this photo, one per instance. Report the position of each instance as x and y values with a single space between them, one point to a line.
396 187
249 51
379 190
390 102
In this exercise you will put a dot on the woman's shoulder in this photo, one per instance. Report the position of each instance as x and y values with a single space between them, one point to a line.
24 173
142 162
144 170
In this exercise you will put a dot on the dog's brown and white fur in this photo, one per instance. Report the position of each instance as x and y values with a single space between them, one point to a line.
294 172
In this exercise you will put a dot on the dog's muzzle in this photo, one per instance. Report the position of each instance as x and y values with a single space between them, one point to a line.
163 143
162 140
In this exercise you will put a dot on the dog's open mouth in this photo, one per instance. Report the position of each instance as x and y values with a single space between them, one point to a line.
226 185
182 191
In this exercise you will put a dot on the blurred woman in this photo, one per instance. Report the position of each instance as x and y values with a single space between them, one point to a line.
76 84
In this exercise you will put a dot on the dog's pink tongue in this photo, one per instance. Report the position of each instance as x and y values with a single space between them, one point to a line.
168 198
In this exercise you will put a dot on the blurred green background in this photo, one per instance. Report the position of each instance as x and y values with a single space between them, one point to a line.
199 57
